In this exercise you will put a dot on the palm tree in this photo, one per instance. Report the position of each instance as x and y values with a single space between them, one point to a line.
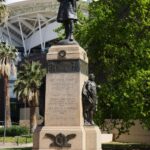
8 55
3 11
29 79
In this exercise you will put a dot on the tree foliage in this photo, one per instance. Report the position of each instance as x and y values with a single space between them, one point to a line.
8 55
29 80
116 35
3 11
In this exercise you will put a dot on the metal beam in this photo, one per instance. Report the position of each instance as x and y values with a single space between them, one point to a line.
1 34
14 41
43 18
32 14
8 33
13 37
40 32
14 20
28 25
36 28
15 29
22 36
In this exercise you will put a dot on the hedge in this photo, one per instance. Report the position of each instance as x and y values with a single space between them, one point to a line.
14 131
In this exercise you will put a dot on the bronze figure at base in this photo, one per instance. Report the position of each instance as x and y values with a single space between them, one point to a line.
89 100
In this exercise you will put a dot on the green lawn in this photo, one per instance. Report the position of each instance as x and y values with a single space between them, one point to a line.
125 146
14 139
108 146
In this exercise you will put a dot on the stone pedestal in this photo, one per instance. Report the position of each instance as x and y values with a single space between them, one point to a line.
64 129
93 138
42 142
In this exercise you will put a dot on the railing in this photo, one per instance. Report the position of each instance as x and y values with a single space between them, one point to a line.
2 123
28 136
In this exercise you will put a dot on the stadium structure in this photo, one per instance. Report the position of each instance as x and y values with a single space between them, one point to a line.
30 27
31 24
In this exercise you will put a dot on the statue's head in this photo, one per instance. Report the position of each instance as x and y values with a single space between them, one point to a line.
91 77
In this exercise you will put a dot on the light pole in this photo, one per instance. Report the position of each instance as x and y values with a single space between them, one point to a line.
4 122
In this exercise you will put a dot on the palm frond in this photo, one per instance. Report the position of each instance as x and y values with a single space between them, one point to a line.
29 79
7 56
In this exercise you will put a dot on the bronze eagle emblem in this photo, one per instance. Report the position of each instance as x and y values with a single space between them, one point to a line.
60 140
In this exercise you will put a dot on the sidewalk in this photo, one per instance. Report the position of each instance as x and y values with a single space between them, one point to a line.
14 145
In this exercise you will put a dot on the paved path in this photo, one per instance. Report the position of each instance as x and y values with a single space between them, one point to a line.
14 145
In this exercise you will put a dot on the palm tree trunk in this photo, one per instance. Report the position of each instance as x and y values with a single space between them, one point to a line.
7 101
33 119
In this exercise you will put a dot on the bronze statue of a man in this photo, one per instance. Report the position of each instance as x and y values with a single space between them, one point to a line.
68 16
89 100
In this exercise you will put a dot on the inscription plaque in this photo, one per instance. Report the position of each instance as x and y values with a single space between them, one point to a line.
67 66
63 100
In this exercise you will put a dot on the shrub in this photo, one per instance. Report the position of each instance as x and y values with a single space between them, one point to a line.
14 131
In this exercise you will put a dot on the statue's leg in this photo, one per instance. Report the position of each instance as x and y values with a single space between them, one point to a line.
91 117
91 113
71 29
84 113
66 25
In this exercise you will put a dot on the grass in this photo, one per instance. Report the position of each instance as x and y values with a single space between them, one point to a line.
125 146
21 140
106 146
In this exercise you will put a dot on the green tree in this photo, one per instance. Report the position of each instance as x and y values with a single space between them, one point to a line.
7 57
116 35
3 11
29 79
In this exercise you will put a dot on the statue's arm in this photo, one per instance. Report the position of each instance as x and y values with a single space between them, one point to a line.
89 89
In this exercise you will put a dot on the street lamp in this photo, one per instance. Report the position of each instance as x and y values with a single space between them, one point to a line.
4 122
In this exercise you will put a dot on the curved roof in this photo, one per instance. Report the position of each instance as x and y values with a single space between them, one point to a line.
31 23
26 7
26 19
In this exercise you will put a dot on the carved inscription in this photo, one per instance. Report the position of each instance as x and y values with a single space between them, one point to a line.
67 66
62 104
84 68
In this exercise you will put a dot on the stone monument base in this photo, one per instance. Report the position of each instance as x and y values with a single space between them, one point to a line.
93 138
64 126
86 138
